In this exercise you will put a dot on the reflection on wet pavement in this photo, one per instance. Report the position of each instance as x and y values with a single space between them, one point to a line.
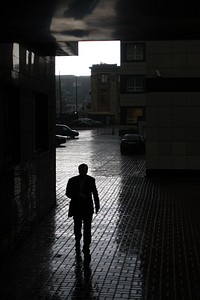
145 241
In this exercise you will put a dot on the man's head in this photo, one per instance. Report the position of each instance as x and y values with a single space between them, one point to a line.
83 169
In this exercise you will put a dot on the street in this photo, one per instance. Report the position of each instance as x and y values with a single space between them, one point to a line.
101 153
145 238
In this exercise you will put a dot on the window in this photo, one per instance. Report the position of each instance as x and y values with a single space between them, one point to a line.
134 114
132 84
104 78
133 52
16 57
103 100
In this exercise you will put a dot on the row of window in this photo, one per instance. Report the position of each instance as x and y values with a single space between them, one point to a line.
132 52
129 83
27 62
132 84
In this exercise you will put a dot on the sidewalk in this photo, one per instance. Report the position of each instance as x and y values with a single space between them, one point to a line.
146 237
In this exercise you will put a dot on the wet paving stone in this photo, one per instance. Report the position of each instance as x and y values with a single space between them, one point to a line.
146 237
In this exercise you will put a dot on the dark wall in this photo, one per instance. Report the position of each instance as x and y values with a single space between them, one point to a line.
27 152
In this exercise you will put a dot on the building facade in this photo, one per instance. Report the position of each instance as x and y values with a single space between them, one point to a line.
118 93
27 134
155 91
105 93
173 106
161 81
132 85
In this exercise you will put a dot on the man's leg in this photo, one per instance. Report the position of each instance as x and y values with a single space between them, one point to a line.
77 232
87 221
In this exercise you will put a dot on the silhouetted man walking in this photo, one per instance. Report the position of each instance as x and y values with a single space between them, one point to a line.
82 191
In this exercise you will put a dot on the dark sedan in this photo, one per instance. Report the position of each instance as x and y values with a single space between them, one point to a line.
66 131
132 143
87 122
60 140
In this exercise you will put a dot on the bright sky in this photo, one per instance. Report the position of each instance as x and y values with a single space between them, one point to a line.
90 53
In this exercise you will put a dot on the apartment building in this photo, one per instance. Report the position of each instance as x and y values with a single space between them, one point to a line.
173 105
132 85
105 93
156 91
118 93
162 80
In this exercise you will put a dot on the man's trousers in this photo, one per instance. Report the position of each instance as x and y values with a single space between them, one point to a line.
86 222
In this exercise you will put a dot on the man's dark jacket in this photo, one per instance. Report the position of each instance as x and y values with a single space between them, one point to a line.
82 198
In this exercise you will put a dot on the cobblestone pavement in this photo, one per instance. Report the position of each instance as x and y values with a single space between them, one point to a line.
146 237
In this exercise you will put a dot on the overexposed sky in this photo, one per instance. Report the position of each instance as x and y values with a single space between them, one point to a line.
90 53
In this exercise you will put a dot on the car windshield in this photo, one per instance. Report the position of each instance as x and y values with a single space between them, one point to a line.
133 137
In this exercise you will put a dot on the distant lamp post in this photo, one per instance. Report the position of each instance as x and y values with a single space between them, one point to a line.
60 98
76 95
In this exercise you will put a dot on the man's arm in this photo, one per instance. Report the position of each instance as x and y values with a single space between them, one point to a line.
69 189
96 197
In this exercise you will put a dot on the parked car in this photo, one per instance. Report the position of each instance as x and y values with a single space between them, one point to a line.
92 122
60 140
87 122
66 131
132 143
80 123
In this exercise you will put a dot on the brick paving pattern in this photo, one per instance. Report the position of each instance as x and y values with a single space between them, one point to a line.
146 237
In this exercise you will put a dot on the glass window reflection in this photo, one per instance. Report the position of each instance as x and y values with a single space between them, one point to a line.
16 57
